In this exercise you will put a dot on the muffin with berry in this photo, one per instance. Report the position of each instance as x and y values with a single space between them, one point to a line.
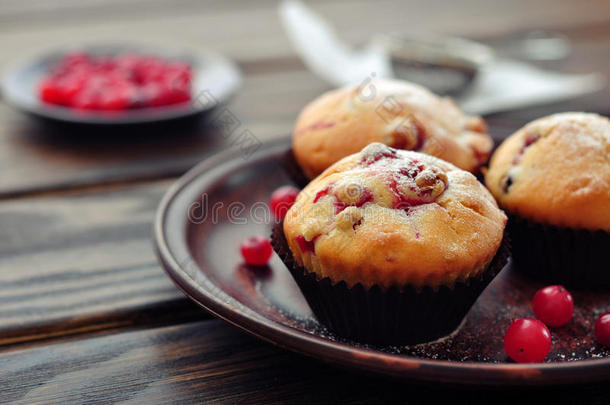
553 179
396 113
392 246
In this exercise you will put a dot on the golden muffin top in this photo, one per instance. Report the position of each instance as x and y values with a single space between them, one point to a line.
391 217
396 113
556 170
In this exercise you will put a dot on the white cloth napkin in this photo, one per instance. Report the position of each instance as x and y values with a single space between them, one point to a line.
500 85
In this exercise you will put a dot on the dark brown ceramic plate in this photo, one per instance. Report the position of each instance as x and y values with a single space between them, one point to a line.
208 212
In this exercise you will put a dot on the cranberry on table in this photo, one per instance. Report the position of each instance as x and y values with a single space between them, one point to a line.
527 340
602 329
282 199
256 250
553 305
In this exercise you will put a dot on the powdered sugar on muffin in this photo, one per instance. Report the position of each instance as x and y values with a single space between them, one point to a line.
392 217
556 170
396 113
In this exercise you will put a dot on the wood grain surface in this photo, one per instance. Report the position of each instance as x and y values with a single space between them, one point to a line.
212 362
81 262
86 313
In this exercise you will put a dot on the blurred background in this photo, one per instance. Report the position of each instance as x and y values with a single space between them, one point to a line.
557 35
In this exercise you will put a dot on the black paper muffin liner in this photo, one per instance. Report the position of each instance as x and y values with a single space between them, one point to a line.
575 258
394 316
294 170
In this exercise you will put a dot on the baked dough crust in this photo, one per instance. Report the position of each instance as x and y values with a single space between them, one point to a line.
397 113
556 170
391 217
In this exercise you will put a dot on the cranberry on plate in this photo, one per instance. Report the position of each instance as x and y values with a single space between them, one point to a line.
602 329
256 250
553 305
527 340
281 200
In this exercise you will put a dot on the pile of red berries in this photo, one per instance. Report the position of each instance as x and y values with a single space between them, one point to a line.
88 82
256 250
528 340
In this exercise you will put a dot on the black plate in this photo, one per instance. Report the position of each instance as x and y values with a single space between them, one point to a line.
215 79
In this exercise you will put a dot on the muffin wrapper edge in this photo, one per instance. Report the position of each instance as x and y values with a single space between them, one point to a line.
576 258
294 170
395 316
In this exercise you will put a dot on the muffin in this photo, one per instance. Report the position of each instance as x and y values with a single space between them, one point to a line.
553 179
392 246
399 114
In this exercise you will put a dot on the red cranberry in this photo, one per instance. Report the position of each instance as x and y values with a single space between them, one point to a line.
306 246
150 94
553 305
366 196
49 91
69 87
322 193
86 100
118 97
602 329
402 202
75 58
179 96
256 250
529 140
527 340
281 200
160 96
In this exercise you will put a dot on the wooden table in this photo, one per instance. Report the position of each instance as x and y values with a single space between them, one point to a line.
86 312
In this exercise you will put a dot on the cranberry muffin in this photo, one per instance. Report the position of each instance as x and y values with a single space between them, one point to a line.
396 113
553 179
392 246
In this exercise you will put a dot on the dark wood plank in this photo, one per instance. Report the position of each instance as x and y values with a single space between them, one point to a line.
211 361
83 262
